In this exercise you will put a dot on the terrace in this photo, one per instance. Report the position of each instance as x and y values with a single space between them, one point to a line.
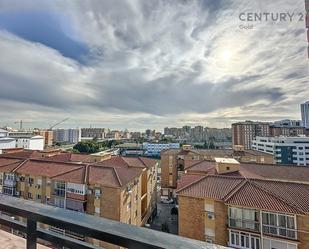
87 225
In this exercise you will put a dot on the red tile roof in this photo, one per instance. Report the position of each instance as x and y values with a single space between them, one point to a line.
272 195
254 171
45 168
114 172
136 162
211 187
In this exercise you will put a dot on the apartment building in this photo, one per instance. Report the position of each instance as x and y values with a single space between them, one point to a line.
244 132
286 150
122 189
305 111
249 207
98 133
175 161
67 136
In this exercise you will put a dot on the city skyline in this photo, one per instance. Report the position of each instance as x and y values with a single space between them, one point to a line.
120 66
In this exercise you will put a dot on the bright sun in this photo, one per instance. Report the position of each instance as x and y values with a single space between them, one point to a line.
226 55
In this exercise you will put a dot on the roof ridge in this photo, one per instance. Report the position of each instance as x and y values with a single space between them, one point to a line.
118 178
199 161
235 190
69 171
273 194
21 164
51 161
86 176
278 197
11 163
192 183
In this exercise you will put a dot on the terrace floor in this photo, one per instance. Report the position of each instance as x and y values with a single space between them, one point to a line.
10 241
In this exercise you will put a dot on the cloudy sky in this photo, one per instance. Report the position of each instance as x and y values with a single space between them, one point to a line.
141 64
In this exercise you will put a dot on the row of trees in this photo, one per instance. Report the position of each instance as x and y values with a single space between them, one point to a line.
93 146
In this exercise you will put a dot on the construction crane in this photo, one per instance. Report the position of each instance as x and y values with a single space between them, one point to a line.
54 125
21 122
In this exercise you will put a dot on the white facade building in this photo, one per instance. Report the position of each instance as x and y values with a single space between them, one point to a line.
154 149
5 141
30 143
305 114
286 150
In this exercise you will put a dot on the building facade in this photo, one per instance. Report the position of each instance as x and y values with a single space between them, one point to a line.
68 136
305 112
122 189
286 150
175 161
98 133
243 211
48 136
154 149
244 132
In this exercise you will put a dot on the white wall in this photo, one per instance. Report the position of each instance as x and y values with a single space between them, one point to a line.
7 144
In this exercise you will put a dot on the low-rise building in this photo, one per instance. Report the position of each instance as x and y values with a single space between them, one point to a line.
286 150
28 140
154 149
5 141
227 203
48 136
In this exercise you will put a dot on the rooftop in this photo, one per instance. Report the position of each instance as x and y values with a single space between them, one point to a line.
253 171
253 193
114 172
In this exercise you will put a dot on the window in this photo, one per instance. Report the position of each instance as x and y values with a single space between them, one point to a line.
244 218
30 196
244 240
8 191
30 180
97 192
59 189
279 224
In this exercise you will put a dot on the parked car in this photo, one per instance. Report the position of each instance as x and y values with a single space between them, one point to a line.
166 200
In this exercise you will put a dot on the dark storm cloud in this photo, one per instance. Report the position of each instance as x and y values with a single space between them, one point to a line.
165 60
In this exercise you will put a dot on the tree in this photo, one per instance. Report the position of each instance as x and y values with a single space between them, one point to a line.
87 147
212 145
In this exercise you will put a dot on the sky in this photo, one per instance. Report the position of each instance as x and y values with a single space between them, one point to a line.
140 64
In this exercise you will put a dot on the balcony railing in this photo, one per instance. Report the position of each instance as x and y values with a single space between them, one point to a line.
87 225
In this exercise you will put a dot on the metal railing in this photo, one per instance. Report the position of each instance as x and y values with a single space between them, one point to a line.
102 229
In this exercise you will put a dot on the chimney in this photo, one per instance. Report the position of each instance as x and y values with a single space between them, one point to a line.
226 165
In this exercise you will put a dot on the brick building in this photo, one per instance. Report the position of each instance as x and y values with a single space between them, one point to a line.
240 206
173 162
122 189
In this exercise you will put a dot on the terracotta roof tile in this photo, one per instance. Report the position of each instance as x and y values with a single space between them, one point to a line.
252 196
103 175
45 168
211 187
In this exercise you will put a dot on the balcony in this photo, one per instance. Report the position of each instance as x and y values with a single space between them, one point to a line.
87 225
